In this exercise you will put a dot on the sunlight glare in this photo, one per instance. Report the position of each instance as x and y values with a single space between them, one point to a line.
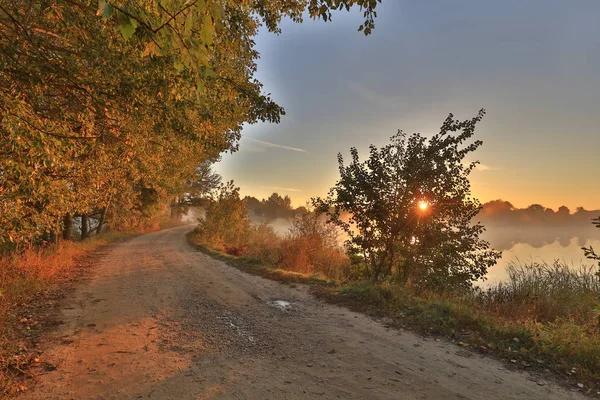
423 205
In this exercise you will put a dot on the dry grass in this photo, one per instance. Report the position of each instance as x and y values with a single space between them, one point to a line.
545 292
308 253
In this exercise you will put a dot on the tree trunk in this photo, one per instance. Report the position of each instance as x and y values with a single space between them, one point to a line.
68 227
101 220
54 237
84 226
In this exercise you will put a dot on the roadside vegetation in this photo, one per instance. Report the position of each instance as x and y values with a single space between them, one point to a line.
311 247
112 111
413 254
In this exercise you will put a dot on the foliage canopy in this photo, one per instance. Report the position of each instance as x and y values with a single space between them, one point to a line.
109 106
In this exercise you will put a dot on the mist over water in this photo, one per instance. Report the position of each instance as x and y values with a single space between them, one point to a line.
539 244
519 243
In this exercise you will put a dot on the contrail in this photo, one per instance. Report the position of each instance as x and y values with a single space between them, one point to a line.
277 145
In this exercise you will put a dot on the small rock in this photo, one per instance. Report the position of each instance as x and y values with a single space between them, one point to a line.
580 385
516 340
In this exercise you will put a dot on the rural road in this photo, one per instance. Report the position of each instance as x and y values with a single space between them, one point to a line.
160 320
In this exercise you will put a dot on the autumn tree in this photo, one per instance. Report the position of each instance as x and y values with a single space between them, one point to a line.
226 221
411 209
107 107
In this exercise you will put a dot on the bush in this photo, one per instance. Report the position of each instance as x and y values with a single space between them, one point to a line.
411 209
313 246
262 243
226 223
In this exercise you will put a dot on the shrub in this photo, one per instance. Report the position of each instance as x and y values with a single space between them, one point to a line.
226 223
262 243
411 209
312 246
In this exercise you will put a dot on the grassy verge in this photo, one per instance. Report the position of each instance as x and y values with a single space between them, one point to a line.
257 267
28 282
544 319
563 346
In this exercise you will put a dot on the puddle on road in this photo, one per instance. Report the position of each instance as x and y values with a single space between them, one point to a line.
282 305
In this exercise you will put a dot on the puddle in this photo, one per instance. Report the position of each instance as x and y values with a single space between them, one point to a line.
282 305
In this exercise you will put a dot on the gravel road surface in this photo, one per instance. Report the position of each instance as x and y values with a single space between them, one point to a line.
160 320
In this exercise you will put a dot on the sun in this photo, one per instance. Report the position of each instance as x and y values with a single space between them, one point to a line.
423 205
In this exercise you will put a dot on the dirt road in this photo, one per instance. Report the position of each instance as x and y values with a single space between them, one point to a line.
161 320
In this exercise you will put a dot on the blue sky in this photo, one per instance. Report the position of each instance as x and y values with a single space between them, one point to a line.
532 64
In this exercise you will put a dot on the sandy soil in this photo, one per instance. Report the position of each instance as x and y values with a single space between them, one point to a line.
161 320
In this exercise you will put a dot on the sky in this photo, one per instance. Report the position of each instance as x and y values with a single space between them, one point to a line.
533 65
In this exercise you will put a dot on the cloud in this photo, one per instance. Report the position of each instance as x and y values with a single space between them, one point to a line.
279 146
483 167
281 189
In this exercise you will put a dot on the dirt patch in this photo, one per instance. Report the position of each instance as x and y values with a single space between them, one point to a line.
35 319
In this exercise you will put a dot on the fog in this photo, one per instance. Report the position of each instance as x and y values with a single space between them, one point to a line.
526 240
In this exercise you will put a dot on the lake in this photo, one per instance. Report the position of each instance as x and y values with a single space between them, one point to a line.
539 244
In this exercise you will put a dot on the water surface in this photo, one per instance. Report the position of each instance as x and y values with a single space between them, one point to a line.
540 244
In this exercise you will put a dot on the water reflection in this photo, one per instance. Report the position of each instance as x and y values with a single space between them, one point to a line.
539 244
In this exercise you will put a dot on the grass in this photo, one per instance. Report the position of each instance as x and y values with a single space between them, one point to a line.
544 317
257 267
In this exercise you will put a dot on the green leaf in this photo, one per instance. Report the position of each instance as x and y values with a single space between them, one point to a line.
208 72
105 9
189 23
127 30
127 26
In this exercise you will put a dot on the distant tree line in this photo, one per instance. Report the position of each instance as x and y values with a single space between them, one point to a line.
503 213
273 207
